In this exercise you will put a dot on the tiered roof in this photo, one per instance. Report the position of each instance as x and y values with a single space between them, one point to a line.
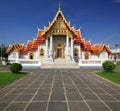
67 24
86 45
40 39
30 46
98 48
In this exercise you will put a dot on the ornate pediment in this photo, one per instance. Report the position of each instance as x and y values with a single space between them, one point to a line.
59 26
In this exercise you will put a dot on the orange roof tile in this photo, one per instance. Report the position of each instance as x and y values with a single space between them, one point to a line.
35 45
40 38
24 50
14 46
96 49
78 38
9 49
29 45
88 45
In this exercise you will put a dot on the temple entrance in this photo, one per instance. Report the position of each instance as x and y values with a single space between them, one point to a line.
59 50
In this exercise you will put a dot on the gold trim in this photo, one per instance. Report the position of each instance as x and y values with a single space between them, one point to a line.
62 27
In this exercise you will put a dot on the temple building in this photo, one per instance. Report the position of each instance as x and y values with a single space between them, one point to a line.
58 42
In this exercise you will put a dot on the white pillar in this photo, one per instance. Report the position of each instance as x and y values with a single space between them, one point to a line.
71 48
46 51
67 45
38 56
51 46
80 53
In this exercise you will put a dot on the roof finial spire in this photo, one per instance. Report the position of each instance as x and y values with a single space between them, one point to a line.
59 6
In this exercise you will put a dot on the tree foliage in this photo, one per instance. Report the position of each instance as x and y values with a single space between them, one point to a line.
3 49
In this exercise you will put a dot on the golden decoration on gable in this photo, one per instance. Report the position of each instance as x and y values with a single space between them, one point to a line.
59 26
16 47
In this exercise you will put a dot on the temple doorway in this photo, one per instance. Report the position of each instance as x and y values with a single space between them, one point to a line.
59 50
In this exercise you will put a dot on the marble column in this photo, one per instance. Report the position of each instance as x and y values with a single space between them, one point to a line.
51 46
67 45
71 48
46 51
38 52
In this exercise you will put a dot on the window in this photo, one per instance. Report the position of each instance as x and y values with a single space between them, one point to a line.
31 56
86 55
41 52
76 52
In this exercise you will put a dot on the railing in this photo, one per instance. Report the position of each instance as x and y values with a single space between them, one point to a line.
26 62
91 62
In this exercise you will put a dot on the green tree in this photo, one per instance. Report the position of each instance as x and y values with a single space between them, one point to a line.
3 49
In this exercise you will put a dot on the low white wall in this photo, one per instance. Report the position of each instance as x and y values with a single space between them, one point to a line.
91 62
27 63
94 56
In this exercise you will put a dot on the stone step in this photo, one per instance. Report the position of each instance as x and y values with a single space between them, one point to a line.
60 65
62 60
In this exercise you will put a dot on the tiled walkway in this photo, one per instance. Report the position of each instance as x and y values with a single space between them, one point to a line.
60 90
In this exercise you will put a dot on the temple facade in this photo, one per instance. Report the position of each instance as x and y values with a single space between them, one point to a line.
58 41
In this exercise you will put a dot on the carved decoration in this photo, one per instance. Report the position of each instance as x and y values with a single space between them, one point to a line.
59 26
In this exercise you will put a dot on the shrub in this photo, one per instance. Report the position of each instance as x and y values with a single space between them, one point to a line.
108 66
15 67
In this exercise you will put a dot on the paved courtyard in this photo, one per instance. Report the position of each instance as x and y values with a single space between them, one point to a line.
60 90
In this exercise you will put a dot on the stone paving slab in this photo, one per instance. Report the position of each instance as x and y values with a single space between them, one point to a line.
60 90
78 106
57 106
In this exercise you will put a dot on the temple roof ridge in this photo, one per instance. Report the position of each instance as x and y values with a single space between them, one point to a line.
59 12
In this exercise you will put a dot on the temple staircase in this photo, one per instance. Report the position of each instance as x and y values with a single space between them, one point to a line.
60 63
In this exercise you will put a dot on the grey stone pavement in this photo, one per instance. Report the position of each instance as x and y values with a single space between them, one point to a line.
60 90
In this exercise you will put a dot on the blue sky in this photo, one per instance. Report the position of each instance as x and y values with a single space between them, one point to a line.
99 20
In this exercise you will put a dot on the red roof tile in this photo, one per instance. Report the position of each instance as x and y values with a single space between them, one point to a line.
33 45
24 50
78 38
96 49
40 38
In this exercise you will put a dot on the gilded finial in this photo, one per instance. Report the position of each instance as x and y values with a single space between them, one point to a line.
59 6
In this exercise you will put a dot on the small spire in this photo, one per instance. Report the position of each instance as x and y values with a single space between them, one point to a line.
69 22
38 29
49 23
45 27
59 6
